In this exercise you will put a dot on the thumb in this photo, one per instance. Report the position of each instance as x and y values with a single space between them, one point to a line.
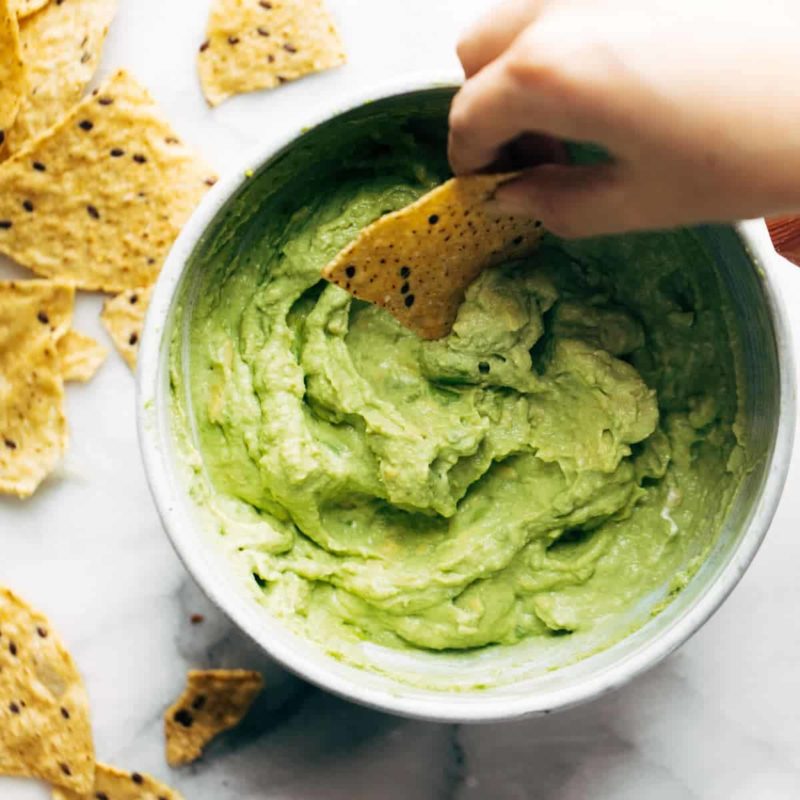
571 201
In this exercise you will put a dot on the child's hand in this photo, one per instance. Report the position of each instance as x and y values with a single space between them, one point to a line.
698 102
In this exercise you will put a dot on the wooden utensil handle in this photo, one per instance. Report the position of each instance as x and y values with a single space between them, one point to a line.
785 232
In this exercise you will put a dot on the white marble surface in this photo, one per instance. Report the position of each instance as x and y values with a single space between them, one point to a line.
719 720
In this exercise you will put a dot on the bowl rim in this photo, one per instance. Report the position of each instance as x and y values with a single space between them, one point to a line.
440 706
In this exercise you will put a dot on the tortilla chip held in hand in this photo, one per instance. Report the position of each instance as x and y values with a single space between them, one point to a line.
418 262
45 730
259 44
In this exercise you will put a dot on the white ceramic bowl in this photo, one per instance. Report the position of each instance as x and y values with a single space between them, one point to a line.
525 683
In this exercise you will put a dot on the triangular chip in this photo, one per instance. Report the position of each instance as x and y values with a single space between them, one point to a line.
123 317
111 783
255 44
418 262
27 7
61 46
34 315
214 701
12 70
100 197
80 356
45 730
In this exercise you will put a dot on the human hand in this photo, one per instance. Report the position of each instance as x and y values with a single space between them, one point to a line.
695 100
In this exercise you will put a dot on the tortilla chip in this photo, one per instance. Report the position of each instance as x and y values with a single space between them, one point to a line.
123 317
45 731
418 262
61 47
34 315
214 701
12 70
255 44
114 784
27 7
100 197
80 356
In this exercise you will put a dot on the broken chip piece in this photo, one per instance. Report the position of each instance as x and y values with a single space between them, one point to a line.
61 47
45 731
12 70
214 701
99 198
123 317
34 315
254 44
111 783
418 262
80 356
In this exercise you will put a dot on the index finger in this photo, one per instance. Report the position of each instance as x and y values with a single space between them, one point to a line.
489 37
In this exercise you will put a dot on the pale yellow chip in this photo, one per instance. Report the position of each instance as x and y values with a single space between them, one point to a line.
418 262
80 356
34 315
12 71
259 44
115 784
123 317
27 7
45 730
213 701
99 198
61 47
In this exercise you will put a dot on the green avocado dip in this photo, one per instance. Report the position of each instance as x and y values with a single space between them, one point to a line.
568 451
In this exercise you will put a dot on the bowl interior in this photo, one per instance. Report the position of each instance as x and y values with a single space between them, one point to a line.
492 682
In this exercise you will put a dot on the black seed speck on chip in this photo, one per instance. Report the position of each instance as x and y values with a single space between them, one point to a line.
40 630
405 272
65 768
93 212
105 101
409 301
86 124
13 708
265 4
204 46
199 702
116 152
38 166
27 205
433 219
5 224
101 796
137 778
12 648
133 299
350 271
139 158
517 241
183 717
289 48
262 31
483 367
10 444
86 58
2 136
64 712
404 288
233 40
133 338
43 318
